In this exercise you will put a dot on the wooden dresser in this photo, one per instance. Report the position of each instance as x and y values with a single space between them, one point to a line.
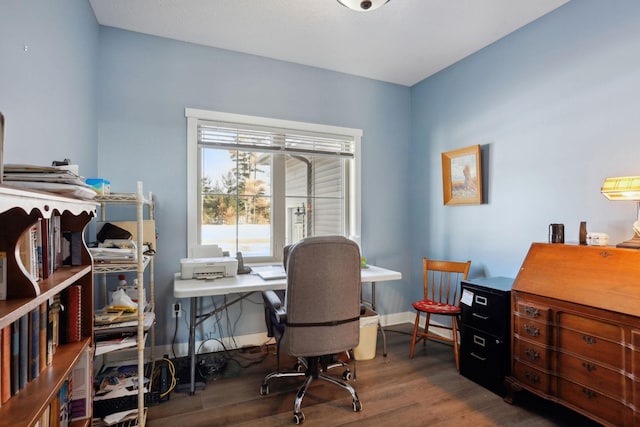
575 317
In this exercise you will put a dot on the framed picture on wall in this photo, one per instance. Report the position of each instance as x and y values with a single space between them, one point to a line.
462 176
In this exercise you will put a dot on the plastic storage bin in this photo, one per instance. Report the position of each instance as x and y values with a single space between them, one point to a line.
366 349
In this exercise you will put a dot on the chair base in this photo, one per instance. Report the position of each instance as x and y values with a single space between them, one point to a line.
312 371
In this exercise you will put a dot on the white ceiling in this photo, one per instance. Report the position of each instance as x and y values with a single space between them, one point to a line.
403 42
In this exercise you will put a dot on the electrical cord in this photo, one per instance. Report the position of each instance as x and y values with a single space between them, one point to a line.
172 372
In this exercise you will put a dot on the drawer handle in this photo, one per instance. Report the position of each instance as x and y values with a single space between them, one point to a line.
589 393
589 340
481 300
532 311
532 377
532 330
479 316
478 357
588 366
532 354
479 340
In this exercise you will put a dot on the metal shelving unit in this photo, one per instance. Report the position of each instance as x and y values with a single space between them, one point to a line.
144 263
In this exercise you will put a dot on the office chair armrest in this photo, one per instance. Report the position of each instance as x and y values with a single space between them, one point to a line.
274 303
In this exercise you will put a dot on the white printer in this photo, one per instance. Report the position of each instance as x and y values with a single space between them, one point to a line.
208 268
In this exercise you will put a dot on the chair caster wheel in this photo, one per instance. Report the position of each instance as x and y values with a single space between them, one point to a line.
264 389
357 406
299 367
298 417
346 375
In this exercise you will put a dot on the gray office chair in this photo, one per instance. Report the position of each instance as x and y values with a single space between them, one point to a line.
320 317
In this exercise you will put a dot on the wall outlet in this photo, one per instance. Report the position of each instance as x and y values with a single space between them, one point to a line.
177 309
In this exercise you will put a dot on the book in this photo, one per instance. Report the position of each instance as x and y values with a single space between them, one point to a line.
54 413
72 325
82 380
56 239
44 267
53 317
34 344
3 275
71 248
5 365
23 355
28 251
15 357
64 396
44 320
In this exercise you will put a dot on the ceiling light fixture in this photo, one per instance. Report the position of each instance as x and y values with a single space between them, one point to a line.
363 5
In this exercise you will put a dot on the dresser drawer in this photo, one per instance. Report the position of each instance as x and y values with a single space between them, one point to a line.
533 354
598 328
593 402
488 310
592 375
591 346
532 310
531 376
531 330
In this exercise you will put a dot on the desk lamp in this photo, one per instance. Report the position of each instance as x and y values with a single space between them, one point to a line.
625 188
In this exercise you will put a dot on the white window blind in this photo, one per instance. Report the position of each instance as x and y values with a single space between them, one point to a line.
262 138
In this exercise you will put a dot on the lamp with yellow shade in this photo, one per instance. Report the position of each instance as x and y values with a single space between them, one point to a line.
625 188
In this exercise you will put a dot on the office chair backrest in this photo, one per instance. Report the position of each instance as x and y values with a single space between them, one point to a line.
322 296
442 280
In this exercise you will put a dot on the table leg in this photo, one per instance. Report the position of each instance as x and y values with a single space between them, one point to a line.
193 308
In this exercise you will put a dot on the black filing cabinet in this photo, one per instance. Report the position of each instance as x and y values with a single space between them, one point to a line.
485 344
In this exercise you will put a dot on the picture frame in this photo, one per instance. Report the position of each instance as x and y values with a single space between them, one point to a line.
462 176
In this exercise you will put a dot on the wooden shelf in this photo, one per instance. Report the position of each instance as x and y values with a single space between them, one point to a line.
26 407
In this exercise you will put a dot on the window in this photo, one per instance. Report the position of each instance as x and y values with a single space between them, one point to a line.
258 184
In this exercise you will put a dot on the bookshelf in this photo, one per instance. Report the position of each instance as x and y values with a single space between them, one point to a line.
33 398
144 225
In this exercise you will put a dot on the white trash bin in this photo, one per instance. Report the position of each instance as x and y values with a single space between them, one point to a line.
366 349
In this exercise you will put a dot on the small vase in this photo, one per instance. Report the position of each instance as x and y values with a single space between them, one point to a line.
583 233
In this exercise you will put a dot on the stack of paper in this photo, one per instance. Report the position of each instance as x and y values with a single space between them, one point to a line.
55 179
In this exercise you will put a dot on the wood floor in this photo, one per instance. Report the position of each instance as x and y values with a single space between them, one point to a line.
394 391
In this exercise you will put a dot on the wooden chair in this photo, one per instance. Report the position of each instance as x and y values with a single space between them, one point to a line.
441 282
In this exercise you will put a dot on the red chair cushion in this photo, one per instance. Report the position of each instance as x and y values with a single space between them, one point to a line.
429 306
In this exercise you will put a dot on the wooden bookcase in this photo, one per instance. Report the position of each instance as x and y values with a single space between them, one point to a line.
20 210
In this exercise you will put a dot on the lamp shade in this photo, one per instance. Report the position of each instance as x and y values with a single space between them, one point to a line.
622 188
363 5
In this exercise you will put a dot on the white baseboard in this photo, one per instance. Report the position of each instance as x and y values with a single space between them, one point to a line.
259 339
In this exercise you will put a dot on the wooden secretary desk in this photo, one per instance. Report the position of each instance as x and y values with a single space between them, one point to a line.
575 317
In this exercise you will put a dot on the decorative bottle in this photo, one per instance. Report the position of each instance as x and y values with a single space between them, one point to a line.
583 232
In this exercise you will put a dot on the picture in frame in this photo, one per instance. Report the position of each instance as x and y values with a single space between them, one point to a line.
462 176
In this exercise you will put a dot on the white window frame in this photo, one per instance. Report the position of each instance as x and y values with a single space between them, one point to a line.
193 173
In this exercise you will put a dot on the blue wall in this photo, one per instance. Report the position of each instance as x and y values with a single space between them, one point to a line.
146 82
48 91
556 108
